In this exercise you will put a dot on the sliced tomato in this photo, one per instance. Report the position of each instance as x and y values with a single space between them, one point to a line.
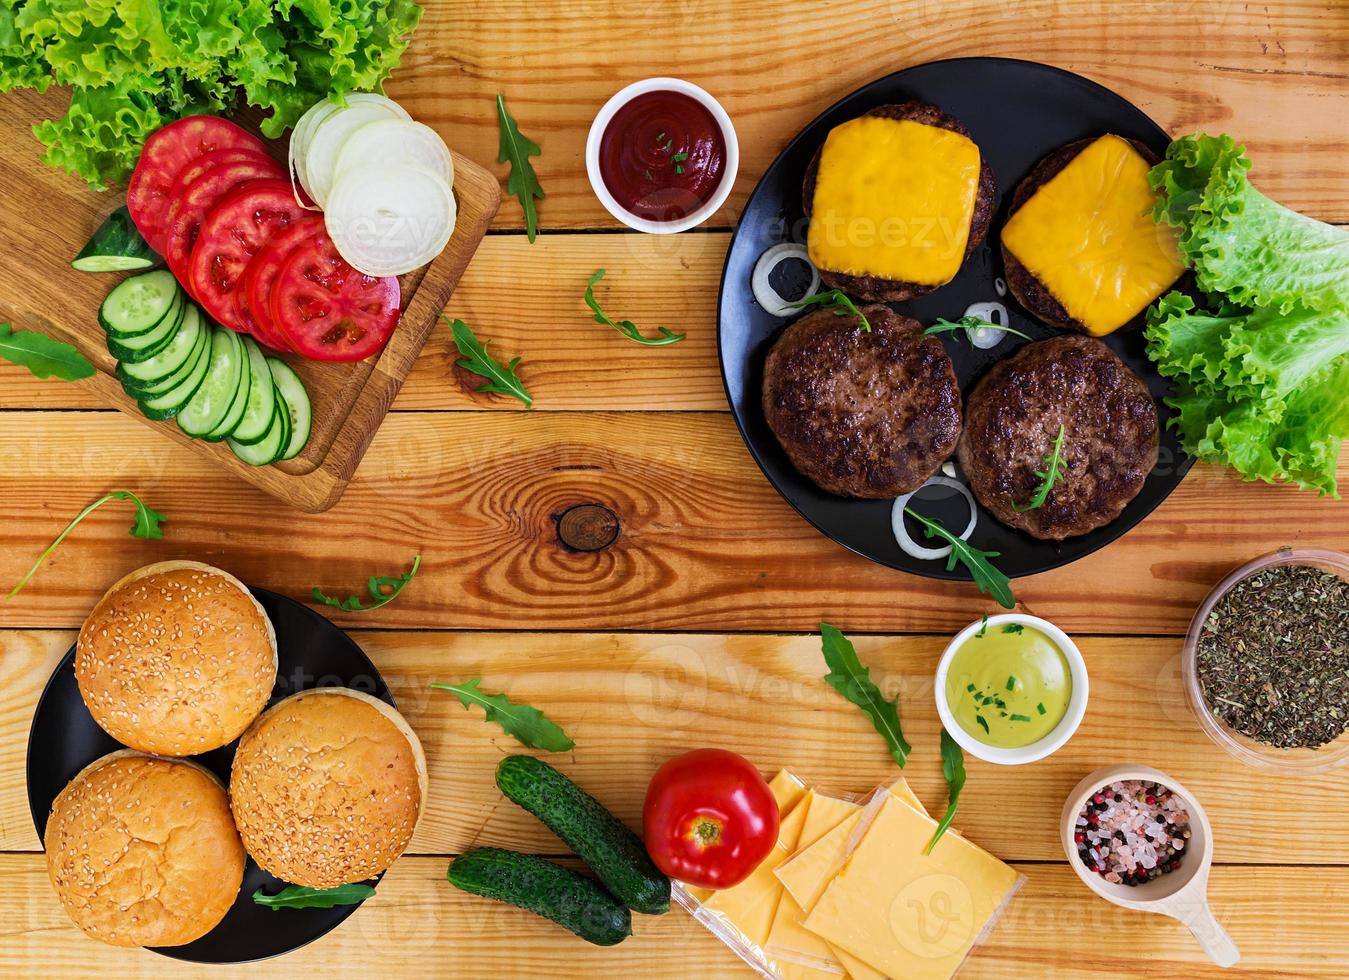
189 210
255 292
329 311
232 232
165 155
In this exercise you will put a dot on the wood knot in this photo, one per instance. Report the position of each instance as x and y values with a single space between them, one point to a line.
587 527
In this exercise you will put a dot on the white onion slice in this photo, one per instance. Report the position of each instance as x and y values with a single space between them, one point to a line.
764 293
986 337
299 141
326 139
398 141
386 221
912 547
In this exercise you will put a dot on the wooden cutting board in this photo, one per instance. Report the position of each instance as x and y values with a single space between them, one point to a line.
47 216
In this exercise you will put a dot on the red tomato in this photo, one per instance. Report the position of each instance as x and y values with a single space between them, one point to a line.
709 818
233 231
327 310
189 208
255 308
165 154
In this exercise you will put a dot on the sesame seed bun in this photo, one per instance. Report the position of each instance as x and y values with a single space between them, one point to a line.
327 787
176 659
143 851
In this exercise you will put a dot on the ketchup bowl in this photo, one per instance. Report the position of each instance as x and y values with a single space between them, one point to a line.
662 155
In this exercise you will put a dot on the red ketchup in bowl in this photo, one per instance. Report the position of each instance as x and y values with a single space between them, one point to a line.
662 156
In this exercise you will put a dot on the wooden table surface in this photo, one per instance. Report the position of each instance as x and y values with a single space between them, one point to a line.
696 626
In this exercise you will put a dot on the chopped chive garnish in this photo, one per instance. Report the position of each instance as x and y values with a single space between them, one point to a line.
1002 714
970 687
660 137
679 157
983 628
1020 717
1013 628
647 174
1041 708
1011 683
983 724
668 145
1000 702
678 169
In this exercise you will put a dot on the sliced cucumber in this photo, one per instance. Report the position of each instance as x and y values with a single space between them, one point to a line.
116 247
236 412
192 320
292 392
174 311
212 400
173 357
261 406
137 303
143 346
171 402
269 447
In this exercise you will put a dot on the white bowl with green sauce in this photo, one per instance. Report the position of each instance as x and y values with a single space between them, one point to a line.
1011 689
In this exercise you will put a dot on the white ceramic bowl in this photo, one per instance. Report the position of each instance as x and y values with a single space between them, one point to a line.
1077 703
622 98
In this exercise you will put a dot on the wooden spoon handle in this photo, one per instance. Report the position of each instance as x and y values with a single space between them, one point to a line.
1213 937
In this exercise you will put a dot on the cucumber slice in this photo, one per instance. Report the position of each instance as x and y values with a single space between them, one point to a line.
146 389
174 312
137 303
172 358
116 247
269 447
292 392
257 418
170 403
211 402
240 402
143 346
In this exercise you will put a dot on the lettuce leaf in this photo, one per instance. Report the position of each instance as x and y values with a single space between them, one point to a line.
1252 250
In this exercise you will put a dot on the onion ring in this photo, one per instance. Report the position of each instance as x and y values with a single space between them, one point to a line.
913 548
765 294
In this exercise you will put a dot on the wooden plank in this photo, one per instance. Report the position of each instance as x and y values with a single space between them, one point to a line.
1289 922
630 701
1273 75
706 543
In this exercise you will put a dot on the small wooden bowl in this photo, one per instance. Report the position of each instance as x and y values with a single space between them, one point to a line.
1182 894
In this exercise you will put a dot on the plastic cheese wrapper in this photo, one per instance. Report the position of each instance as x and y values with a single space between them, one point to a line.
793 917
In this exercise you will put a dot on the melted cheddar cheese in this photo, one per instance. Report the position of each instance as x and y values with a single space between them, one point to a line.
894 199
1088 235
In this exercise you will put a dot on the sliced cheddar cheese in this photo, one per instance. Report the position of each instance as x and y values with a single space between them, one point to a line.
1087 233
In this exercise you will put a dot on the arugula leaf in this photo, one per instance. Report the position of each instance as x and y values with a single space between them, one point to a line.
985 575
626 327
500 380
42 356
842 306
300 897
516 149
1050 475
378 594
849 678
146 525
968 323
526 724
953 768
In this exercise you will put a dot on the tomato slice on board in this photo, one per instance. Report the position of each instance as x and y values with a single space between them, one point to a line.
260 276
232 232
329 311
166 153
197 198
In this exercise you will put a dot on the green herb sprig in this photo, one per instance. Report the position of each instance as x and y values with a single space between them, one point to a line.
987 577
968 323
626 327
42 356
146 525
849 678
1050 475
300 897
526 724
500 380
516 149
953 768
838 302
384 589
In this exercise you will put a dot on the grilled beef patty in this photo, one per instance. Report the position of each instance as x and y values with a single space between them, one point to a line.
882 290
862 414
1013 417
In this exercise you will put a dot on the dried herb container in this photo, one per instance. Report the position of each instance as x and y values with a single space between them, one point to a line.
1255 753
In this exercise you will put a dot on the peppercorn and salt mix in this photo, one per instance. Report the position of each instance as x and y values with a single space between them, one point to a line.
1132 831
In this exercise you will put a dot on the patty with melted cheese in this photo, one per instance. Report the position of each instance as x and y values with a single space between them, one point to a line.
897 200
1080 248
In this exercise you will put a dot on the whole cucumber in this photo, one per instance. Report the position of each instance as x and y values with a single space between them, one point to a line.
616 855
538 886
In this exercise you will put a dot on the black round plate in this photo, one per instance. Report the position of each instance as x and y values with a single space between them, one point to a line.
1017 111
65 738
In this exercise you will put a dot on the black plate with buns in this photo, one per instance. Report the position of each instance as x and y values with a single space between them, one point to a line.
1018 113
